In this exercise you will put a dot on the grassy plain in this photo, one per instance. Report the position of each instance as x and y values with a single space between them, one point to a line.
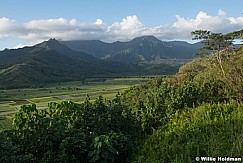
11 100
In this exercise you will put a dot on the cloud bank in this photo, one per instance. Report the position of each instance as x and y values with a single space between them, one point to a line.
35 31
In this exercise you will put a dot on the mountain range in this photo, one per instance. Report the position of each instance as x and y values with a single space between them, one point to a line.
140 49
58 61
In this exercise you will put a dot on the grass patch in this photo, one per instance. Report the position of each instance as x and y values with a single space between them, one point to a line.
7 108
5 122
76 91
209 130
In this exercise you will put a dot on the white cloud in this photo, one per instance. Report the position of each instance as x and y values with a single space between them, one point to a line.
62 29
221 13
98 21
36 31
128 28
183 26
60 24
130 22
6 26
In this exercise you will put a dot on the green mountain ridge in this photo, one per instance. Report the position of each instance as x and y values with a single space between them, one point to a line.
52 61
45 63
140 49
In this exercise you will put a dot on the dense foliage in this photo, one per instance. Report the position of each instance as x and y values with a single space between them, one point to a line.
90 132
154 102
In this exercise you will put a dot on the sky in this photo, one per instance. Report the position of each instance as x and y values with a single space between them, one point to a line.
28 22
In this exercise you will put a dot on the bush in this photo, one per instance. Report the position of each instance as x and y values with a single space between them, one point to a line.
64 132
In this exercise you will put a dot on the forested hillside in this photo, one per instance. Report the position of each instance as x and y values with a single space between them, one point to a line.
197 112
53 62
44 63
143 49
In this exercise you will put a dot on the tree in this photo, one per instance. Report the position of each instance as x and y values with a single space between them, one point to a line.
67 131
214 43
237 34
226 57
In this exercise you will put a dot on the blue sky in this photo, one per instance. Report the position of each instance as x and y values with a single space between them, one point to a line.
31 21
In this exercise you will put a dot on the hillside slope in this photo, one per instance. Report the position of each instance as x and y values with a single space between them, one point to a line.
49 62
196 112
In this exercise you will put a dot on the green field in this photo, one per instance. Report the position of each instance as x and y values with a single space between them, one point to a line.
11 100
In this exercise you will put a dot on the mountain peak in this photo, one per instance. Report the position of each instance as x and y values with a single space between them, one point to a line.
52 40
148 38
53 44
50 44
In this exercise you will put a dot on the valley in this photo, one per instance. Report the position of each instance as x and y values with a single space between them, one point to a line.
11 100
57 61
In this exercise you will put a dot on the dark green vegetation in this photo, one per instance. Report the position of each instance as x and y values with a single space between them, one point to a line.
69 132
197 112
144 49
51 61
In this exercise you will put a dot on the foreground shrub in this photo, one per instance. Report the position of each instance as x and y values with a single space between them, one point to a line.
70 132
